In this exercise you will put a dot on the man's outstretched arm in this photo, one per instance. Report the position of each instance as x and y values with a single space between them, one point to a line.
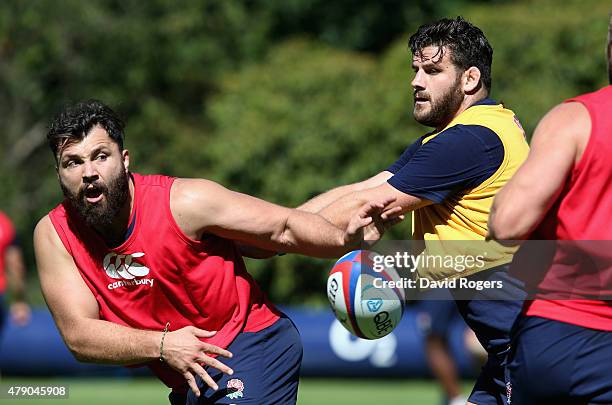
340 211
202 206
557 144
321 201
90 339
316 204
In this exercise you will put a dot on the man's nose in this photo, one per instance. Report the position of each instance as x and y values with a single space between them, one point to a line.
90 174
418 83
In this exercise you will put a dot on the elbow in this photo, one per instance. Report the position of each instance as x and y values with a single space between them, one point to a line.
79 356
77 346
504 226
508 238
75 349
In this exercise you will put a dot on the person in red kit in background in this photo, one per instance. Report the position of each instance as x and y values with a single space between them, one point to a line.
12 274
146 269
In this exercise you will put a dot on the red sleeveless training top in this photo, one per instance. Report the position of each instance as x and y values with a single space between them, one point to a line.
582 271
159 274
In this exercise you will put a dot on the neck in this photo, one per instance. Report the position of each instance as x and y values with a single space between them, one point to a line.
468 101
114 234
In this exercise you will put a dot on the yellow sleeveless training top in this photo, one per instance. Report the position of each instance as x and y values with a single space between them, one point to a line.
463 218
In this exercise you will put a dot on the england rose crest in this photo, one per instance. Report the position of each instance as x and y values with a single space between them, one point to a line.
235 388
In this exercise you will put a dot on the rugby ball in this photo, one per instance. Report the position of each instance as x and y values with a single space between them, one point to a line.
364 305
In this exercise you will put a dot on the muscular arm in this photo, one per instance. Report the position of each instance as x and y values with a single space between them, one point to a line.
457 159
90 339
342 209
202 206
75 309
321 201
316 204
557 144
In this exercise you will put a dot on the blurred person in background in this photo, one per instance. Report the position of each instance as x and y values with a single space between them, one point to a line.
435 315
12 275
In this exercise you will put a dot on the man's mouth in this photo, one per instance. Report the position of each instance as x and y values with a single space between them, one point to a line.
418 99
93 194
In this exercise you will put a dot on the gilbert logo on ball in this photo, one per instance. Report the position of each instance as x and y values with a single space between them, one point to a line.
365 310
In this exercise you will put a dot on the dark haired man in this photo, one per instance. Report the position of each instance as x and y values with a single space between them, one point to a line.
448 177
562 343
144 269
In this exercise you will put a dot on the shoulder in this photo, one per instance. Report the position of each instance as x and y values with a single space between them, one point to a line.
466 137
186 192
565 129
43 227
566 121
195 203
45 235
570 116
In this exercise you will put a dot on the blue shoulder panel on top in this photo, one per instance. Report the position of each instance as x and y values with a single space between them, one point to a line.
456 160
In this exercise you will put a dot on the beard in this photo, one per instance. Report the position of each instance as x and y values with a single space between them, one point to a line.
102 213
441 110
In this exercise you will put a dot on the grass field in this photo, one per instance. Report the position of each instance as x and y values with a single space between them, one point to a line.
312 391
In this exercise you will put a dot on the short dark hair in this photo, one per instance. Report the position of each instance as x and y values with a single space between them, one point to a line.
75 121
468 44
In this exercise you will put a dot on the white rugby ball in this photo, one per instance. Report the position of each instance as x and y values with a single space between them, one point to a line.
362 306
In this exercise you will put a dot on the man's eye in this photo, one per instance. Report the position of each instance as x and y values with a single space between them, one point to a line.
71 163
101 157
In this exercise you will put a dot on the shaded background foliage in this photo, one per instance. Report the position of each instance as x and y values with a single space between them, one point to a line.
280 99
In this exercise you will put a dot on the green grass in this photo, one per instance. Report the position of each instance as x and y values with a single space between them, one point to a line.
377 392
312 391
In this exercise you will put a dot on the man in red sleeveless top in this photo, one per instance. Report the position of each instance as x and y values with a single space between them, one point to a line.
562 343
144 269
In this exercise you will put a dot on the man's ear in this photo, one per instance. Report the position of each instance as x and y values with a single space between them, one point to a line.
471 80
125 154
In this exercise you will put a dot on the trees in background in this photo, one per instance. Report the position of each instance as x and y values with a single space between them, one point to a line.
280 99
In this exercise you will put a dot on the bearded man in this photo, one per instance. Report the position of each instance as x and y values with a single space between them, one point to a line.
145 269
448 179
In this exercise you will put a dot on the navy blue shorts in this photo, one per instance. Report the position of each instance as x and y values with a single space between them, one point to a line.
555 362
266 368
491 314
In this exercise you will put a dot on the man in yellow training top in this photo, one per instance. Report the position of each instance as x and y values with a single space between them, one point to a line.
449 177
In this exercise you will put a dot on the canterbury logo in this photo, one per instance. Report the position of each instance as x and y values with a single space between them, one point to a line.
123 266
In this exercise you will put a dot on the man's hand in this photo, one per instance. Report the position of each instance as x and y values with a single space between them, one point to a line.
370 214
382 223
187 354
